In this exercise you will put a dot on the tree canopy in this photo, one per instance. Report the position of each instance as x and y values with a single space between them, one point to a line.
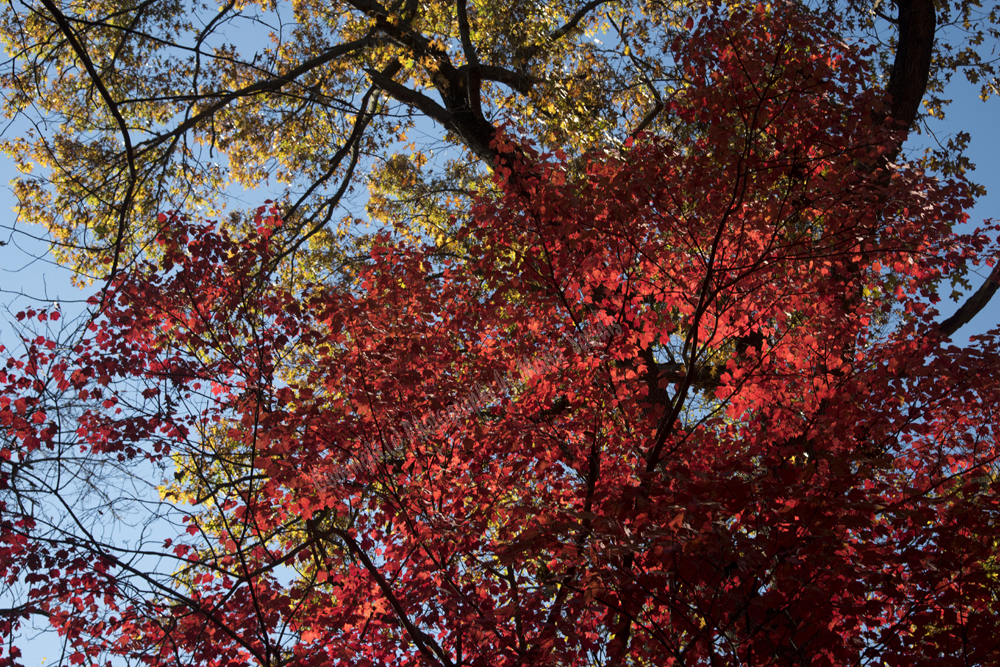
143 107
637 363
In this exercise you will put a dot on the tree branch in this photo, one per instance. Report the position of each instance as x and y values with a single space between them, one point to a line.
464 33
973 305
522 83
475 133
352 146
911 68
95 77
425 643
568 27
268 85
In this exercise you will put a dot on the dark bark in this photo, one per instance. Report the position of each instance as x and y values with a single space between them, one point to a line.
912 66
972 305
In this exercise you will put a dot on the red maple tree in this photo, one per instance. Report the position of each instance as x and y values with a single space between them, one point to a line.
687 403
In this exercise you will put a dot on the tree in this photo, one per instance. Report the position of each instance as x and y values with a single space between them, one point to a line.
147 106
679 401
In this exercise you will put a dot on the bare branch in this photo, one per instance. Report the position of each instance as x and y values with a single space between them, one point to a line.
973 305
